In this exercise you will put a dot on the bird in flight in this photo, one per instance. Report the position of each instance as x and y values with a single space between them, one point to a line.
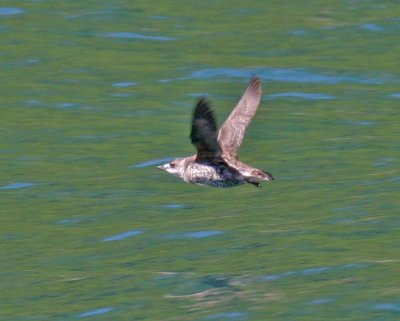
216 162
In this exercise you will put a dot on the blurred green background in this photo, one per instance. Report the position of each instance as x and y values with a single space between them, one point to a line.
95 94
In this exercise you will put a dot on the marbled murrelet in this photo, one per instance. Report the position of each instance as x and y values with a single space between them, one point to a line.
216 163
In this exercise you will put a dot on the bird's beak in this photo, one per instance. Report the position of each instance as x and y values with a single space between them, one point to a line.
163 167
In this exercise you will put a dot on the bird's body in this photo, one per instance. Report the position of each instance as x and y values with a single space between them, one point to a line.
217 174
216 163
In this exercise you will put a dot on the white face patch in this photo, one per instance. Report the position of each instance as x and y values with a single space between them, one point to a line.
172 167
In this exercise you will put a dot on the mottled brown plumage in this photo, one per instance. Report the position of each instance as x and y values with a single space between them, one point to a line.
232 131
216 163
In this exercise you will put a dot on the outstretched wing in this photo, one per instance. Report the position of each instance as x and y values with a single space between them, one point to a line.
204 133
231 134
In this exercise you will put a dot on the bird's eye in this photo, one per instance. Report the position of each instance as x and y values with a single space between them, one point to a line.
172 165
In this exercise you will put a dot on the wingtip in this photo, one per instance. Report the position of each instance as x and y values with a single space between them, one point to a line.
202 100
202 107
255 79
255 84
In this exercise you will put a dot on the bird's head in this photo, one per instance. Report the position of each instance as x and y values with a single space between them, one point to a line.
175 167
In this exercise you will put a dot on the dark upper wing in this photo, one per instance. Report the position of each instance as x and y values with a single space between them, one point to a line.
204 132
231 134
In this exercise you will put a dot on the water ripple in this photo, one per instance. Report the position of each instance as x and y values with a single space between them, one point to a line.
315 270
298 32
16 186
311 96
122 236
321 301
175 206
66 105
10 11
96 312
384 161
201 234
390 307
133 35
359 122
159 17
194 235
371 27
301 75
152 162
226 316
311 271
124 84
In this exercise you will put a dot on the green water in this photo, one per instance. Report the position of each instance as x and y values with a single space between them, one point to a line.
94 95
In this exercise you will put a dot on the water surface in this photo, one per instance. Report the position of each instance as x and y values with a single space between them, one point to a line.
96 95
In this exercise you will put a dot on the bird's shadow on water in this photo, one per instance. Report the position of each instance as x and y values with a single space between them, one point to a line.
222 290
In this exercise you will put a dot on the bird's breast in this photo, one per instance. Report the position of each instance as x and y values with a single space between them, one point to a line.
218 175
